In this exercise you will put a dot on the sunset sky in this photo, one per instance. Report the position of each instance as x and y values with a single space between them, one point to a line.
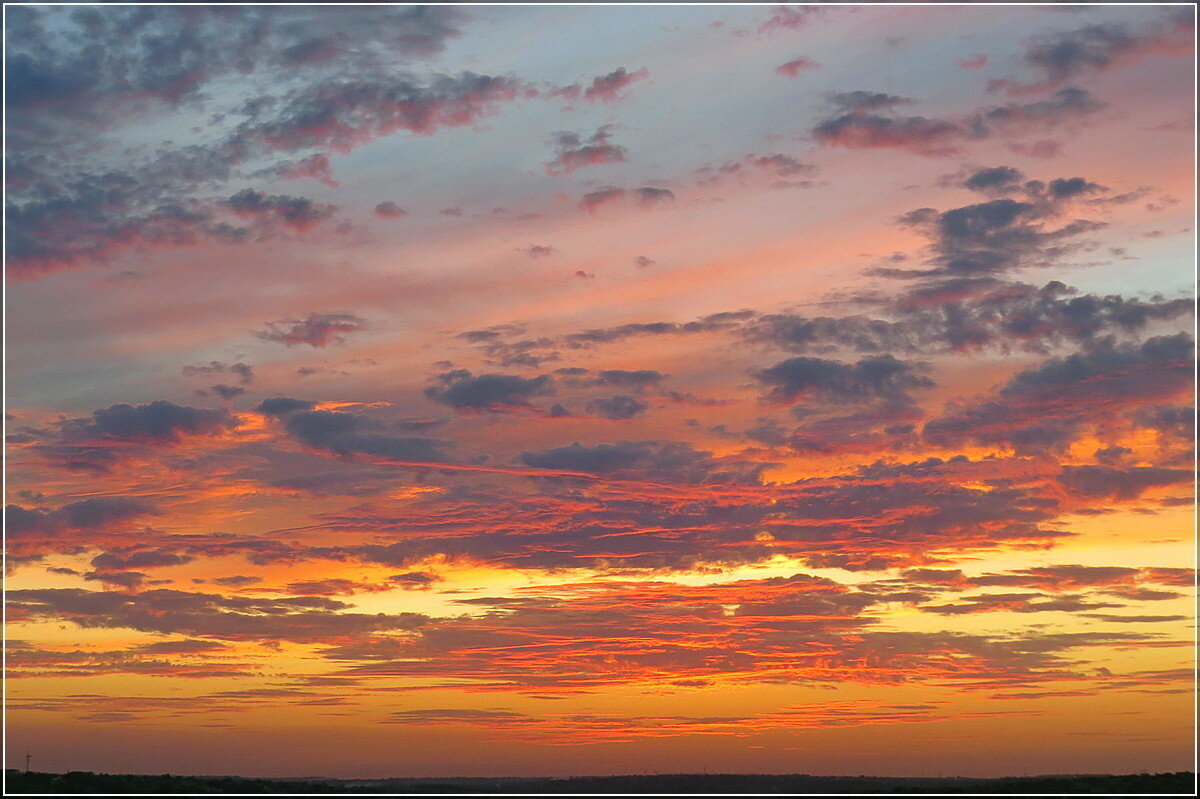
549 390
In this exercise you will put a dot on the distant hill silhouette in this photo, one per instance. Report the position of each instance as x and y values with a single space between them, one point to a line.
1180 782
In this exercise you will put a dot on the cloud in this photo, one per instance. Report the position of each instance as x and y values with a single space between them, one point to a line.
646 197
244 372
874 377
998 178
1064 107
868 121
59 219
136 557
348 434
1105 482
184 658
539 251
88 222
120 430
1046 407
225 392
316 166
603 88
282 406
298 213
1016 603
619 407
554 641
1023 225
638 380
887 424
797 65
859 101
343 114
75 71
858 126
941 314
86 515
666 460
789 18
67 63
389 210
1067 55
529 352
576 152
782 165
1065 577
236 581
167 611
316 330
461 390
492 718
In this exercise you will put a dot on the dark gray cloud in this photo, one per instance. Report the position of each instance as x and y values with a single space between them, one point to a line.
73 71
1044 408
316 166
1024 224
638 380
389 210
887 424
244 372
315 330
881 376
665 460
785 167
349 434
93 217
619 407
1176 421
298 213
97 443
341 114
1105 482
226 392
539 251
168 611
942 313
995 178
782 165
1066 55
503 346
1017 603
83 61
87 515
645 197
461 390
576 151
282 406
124 558
867 120
159 421
236 581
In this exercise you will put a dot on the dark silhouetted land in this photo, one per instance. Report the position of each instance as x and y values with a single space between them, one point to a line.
1180 782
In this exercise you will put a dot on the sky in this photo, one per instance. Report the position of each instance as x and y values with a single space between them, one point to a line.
550 390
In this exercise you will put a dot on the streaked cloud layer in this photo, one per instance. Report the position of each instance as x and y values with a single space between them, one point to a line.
558 390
